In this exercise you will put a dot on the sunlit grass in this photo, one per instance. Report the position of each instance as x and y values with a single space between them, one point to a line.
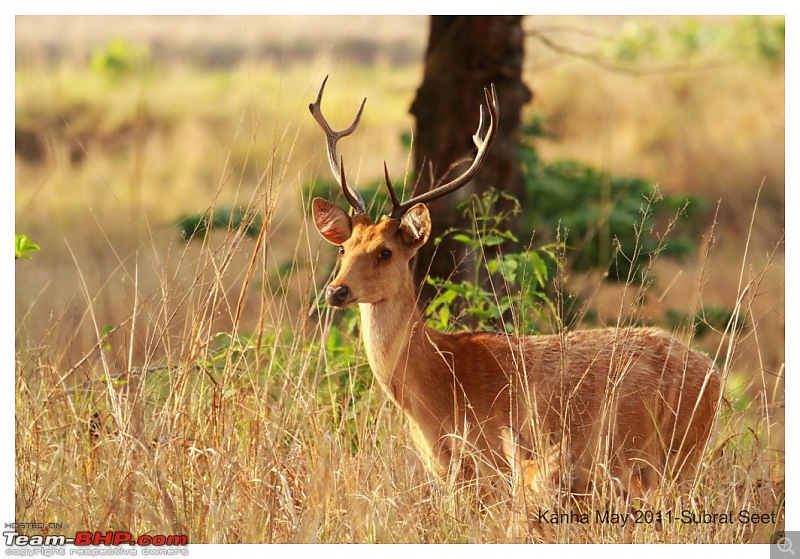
183 418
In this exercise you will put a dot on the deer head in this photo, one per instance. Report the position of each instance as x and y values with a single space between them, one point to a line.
375 256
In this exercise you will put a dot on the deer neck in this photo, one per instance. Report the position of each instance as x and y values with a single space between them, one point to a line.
387 329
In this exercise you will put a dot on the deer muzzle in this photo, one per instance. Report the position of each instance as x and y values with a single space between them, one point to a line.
337 295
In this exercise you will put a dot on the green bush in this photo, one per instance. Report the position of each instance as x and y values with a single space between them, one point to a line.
609 223
511 297
198 225
118 59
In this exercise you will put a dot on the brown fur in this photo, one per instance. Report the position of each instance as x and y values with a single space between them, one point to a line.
636 404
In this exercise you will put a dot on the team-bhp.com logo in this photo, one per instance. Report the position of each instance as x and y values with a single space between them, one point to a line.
155 544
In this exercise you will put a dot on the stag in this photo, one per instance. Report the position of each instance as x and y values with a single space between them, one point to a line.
634 405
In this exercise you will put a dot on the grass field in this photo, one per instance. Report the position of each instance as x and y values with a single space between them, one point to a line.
193 388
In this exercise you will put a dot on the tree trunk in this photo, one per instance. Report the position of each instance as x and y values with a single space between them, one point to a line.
464 55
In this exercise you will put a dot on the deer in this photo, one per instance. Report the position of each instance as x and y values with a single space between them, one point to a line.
631 404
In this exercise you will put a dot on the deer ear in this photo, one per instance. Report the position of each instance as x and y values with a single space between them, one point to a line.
415 226
332 222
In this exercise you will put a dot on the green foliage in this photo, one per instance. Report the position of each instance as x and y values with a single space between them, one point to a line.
761 37
635 40
198 225
687 39
108 329
616 224
345 388
524 275
610 223
23 247
118 59
225 348
738 393
342 339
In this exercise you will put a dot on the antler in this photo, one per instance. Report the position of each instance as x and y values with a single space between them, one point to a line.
332 136
482 142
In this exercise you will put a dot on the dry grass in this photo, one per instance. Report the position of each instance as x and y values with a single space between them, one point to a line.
197 434
211 406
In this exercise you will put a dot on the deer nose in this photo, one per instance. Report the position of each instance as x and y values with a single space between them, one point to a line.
337 295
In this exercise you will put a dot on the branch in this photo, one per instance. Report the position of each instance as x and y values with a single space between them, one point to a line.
613 67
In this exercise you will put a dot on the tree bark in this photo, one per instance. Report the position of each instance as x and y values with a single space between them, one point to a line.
464 55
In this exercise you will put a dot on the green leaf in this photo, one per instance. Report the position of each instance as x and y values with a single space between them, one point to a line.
23 247
538 268
444 315
492 240
462 238
106 332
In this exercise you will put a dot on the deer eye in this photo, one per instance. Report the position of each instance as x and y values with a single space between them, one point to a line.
385 254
